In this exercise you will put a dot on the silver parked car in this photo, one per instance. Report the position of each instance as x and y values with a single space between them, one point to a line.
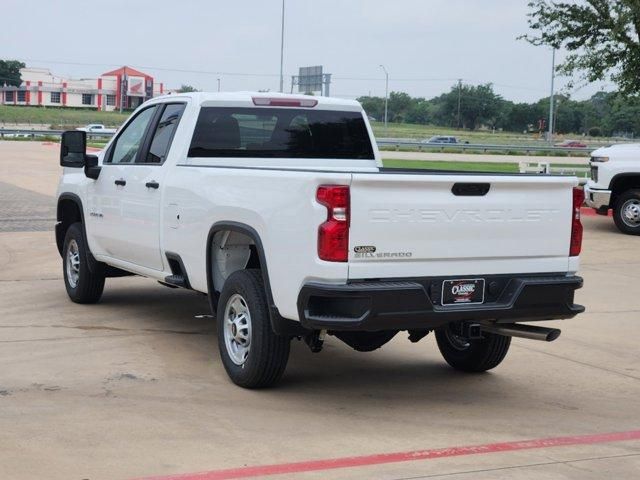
442 139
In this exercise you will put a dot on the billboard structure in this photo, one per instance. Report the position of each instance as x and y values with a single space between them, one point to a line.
311 80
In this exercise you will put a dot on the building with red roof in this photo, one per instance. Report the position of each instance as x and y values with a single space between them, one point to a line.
122 89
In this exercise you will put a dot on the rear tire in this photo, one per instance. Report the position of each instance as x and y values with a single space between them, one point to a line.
626 212
252 354
472 355
83 285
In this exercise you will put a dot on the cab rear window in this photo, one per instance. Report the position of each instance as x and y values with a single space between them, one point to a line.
280 132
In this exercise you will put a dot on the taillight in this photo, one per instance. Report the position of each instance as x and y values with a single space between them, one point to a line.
576 225
333 235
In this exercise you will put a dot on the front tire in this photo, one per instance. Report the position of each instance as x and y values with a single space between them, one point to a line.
83 285
252 354
626 212
472 355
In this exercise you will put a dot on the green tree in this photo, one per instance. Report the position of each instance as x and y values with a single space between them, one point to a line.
420 111
374 106
569 116
521 117
186 89
607 112
10 72
399 105
478 105
601 37
624 117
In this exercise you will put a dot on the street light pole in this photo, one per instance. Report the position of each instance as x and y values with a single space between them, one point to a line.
459 99
282 51
386 99
553 75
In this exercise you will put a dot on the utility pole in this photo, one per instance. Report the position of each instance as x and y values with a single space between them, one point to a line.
386 100
459 99
282 51
553 75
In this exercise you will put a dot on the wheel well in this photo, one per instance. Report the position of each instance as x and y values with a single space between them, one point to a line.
241 249
68 213
622 183
230 251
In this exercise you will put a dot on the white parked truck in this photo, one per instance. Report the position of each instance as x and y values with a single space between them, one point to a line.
279 209
615 184
96 128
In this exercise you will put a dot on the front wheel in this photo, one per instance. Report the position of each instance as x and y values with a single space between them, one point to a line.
252 354
477 355
83 285
626 212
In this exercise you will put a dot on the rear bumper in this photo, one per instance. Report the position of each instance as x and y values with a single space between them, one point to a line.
414 304
598 199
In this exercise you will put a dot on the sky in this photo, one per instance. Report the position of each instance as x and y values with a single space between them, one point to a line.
426 45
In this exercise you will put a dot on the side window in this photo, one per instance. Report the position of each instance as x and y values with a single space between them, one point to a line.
128 143
163 135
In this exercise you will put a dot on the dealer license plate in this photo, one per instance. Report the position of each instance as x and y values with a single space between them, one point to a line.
465 291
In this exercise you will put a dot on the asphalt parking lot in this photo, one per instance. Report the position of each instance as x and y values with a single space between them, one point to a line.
133 387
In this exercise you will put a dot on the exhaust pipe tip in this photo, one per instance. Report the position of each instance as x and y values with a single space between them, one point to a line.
553 334
523 331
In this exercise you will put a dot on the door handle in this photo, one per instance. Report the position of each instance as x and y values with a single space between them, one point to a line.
152 184
120 182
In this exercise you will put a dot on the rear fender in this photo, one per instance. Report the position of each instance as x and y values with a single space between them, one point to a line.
280 325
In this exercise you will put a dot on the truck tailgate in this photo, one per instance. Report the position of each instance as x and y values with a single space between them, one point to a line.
414 225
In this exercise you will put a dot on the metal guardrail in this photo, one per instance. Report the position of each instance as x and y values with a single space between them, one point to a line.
25 133
414 144
482 147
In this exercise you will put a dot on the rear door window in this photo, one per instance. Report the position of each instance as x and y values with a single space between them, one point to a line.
163 135
280 132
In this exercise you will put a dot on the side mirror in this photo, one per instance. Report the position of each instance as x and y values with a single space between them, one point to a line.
73 149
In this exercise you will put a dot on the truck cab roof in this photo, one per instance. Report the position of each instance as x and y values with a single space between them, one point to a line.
248 98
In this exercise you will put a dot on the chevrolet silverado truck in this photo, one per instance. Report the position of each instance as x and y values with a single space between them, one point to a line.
278 208
615 185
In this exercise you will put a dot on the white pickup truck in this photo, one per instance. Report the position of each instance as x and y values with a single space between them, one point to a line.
615 184
96 128
279 209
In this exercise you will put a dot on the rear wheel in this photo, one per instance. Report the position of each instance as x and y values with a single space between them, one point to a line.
252 354
467 355
626 212
83 285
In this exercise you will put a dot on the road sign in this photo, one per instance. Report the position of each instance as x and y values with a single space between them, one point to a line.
310 79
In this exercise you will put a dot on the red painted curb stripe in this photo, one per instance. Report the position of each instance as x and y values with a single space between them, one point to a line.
378 459
590 212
